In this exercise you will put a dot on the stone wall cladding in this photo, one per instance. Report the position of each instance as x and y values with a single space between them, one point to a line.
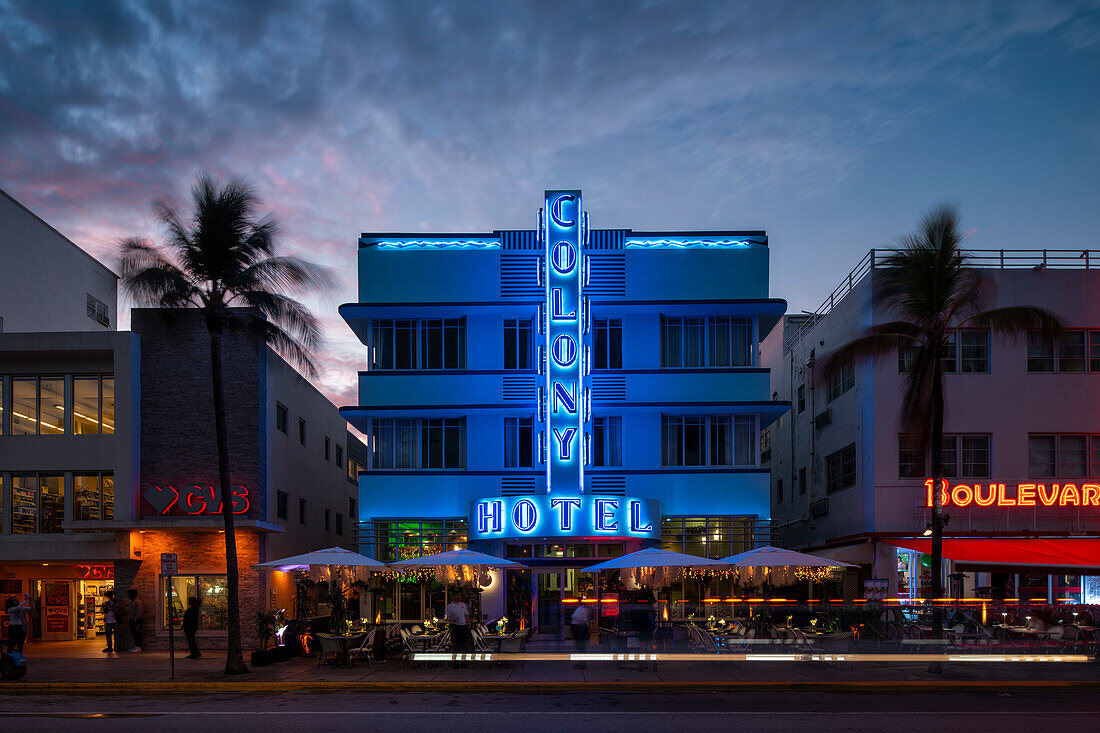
198 553
178 443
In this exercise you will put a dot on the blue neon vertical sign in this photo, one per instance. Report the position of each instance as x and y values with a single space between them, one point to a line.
566 396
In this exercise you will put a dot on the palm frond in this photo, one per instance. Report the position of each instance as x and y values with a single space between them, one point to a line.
284 344
281 273
288 314
150 278
878 340
1013 321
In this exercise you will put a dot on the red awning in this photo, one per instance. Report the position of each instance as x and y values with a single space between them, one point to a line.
1021 551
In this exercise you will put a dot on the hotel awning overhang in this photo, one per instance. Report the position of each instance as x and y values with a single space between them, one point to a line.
1008 554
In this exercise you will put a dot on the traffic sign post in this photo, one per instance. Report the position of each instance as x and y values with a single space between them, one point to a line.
169 567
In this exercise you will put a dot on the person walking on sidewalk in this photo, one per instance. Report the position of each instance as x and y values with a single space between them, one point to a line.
191 625
458 616
110 622
579 621
137 618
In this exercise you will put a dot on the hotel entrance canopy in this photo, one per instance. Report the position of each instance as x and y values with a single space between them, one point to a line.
1070 555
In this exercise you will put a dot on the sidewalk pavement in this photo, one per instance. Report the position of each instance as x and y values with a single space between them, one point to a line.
81 667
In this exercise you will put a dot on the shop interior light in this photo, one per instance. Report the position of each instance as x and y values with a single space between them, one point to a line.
45 564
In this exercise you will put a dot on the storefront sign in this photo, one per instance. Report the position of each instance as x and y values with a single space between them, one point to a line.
593 517
95 572
194 500
55 597
565 401
1022 495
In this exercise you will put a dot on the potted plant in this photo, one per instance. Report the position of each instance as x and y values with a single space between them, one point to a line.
265 625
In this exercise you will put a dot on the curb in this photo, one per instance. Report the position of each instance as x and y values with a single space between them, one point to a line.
192 688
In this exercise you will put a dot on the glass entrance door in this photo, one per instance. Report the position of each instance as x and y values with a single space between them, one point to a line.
549 602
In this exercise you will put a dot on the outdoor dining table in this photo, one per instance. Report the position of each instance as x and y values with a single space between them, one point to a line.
425 639
496 639
345 641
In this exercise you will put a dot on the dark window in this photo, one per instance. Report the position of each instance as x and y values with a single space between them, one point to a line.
328 447
443 442
442 343
802 482
842 380
801 398
779 491
339 456
950 456
280 418
974 351
708 440
1063 456
1040 352
280 504
518 343
906 351
518 436
328 519
301 511
608 344
353 511
700 341
339 523
975 456
607 441
840 469
910 457
301 431
1071 351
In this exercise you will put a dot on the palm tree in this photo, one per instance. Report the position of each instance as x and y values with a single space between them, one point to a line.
221 261
929 287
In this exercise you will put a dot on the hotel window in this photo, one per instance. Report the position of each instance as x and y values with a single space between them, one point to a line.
280 418
37 503
97 310
339 524
281 500
93 496
518 343
840 469
301 431
607 441
518 434
708 440
906 351
352 513
802 481
328 447
339 456
440 343
779 491
700 341
93 405
409 443
967 352
713 537
212 593
608 344
910 457
842 380
1071 351
1063 456
353 470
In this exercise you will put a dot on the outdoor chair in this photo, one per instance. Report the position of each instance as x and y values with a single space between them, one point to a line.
365 650
805 643
327 647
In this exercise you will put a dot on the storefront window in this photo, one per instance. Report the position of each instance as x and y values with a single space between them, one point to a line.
86 496
209 589
24 406
85 405
24 504
51 503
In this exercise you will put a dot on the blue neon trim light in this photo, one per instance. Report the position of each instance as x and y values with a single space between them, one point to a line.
629 243
438 244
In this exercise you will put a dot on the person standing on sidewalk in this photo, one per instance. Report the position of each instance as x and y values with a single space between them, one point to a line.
137 618
18 622
579 621
458 616
191 625
110 622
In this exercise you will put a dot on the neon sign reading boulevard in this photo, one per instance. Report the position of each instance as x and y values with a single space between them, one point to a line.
1026 495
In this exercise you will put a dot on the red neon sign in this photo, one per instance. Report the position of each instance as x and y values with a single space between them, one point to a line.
1026 495
96 572
195 500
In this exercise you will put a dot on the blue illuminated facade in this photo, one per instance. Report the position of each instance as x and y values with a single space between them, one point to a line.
562 387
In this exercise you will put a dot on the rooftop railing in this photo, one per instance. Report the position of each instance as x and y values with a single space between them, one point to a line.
986 259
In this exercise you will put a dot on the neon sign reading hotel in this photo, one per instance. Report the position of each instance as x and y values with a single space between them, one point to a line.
1026 495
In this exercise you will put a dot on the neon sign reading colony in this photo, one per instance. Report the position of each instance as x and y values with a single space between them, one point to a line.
1025 495
562 516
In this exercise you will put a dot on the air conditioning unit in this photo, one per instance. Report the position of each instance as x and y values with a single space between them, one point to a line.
766 455
819 508
823 418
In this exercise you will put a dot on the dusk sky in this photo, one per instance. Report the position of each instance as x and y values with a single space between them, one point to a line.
831 125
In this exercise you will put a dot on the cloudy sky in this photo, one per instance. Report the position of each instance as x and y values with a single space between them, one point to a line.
832 125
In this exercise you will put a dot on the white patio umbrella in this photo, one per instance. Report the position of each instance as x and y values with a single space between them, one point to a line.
458 566
763 561
332 556
664 566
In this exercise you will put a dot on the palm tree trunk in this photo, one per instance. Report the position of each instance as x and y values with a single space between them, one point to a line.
937 507
234 658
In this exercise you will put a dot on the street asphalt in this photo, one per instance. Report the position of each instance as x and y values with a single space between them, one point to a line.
779 711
